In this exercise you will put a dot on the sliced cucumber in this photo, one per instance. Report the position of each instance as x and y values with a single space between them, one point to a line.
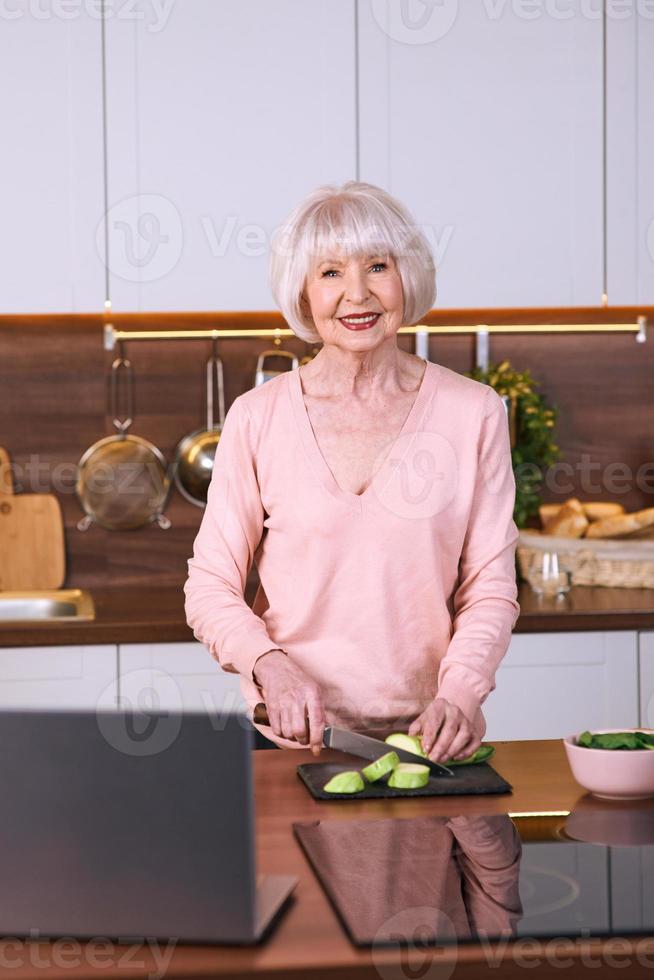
345 782
410 743
481 754
408 775
380 767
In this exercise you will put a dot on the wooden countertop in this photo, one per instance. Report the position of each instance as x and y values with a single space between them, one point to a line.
586 608
156 615
308 942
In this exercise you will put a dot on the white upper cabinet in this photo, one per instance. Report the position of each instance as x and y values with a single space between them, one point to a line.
221 117
630 156
485 118
51 182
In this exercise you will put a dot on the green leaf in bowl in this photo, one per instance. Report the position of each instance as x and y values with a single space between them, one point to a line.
616 740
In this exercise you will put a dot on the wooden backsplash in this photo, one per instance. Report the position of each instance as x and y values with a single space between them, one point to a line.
53 405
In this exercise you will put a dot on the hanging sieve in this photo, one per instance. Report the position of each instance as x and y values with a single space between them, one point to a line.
123 480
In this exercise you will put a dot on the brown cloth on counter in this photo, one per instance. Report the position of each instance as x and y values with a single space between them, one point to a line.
427 879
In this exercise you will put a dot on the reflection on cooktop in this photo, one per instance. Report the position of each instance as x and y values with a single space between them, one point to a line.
464 878
437 878
577 889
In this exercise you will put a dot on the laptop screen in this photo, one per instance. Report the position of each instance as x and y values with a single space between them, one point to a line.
122 823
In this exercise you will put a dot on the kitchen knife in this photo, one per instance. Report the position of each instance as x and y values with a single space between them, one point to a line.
362 745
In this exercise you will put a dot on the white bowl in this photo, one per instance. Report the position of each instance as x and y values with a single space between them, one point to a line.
626 774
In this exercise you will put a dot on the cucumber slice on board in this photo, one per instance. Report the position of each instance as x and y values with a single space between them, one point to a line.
408 775
410 743
345 782
482 754
380 767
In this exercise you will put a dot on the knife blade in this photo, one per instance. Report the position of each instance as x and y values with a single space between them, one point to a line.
373 748
362 745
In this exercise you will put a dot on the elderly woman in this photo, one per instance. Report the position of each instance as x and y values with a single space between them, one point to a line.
375 493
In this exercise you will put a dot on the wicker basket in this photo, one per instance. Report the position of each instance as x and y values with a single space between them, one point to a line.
590 561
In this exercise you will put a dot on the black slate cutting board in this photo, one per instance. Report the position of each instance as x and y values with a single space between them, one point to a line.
469 779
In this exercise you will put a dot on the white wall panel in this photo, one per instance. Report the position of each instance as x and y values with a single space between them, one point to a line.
487 121
220 120
51 181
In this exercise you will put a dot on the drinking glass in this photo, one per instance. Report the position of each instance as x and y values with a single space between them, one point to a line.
547 578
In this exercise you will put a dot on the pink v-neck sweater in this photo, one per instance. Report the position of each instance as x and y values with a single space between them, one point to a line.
384 598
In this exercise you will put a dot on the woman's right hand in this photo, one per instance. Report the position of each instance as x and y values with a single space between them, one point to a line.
293 700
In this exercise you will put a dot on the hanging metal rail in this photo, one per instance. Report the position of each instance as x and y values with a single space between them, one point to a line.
421 331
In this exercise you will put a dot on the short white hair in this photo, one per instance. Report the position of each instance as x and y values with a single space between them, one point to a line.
356 219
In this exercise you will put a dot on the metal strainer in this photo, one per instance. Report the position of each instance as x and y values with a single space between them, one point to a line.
123 480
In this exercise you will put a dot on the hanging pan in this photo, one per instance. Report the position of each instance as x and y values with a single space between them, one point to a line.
263 374
195 453
123 480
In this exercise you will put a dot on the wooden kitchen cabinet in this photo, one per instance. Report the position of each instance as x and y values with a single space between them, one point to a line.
177 677
51 176
550 685
219 121
486 120
57 677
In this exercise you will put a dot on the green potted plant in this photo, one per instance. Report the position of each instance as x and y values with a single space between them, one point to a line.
532 433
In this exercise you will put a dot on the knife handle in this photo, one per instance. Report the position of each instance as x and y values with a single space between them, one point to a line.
260 715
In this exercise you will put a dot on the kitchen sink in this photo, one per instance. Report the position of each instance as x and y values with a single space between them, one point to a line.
56 606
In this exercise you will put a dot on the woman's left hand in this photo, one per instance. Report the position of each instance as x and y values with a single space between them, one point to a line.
445 732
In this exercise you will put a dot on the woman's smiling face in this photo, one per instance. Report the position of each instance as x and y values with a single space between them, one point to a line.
356 301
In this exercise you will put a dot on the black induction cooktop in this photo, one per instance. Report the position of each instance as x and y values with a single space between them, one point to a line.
469 878
571 888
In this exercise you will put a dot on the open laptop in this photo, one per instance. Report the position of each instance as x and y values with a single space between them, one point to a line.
122 824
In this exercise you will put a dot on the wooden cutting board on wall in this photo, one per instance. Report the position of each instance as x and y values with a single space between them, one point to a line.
32 546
